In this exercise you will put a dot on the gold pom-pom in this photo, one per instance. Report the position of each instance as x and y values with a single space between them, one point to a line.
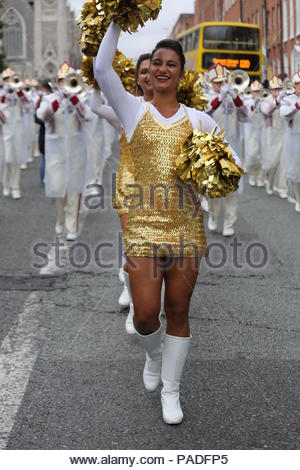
130 14
206 161
88 72
125 68
190 92
93 25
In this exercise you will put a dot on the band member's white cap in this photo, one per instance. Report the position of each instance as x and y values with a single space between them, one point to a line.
296 78
218 73
275 83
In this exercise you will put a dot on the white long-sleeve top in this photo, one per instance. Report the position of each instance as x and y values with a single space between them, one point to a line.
130 109
270 109
290 106
53 106
98 106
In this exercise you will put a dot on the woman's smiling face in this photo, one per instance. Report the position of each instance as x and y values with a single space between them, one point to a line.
165 70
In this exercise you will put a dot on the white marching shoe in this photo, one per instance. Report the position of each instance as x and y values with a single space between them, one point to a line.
297 207
72 236
269 188
174 354
129 326
211 224
59 228
124 299
6 191
228 232
121 275
16 194
260 183
152 369
252 181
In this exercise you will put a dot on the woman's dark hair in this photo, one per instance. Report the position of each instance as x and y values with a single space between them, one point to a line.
171 44
137 69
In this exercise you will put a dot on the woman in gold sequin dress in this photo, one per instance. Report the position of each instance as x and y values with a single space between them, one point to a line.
125 173
164 237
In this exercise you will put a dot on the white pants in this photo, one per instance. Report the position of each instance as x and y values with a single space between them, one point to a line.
67 211
230 209
281 175
12 176
255 171
296 187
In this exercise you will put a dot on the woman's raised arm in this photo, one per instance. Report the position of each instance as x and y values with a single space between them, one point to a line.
125 105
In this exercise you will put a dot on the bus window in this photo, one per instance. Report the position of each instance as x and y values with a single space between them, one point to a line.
190 41
196 39
231 38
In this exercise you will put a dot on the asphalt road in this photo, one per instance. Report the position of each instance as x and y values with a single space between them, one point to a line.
70 376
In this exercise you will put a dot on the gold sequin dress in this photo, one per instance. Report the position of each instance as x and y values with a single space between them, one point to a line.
165 217
124 178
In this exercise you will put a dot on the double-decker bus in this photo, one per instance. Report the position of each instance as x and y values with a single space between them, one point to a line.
234 45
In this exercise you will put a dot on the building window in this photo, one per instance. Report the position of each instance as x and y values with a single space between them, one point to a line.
273 20
13 34
257 17
278 66
292 32
263 18
285 20
286 63
298 17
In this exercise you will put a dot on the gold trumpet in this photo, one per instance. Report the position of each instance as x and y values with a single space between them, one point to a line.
288 87
73 83
239 80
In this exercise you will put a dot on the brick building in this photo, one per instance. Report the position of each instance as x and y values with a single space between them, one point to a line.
280 22
185 21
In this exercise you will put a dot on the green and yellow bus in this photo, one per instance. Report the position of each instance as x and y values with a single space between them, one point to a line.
234 45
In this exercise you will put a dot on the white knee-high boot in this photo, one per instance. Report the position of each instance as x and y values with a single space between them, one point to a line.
174 354
129 326
152 369
125 297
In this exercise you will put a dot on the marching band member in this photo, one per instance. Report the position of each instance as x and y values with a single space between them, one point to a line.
273 138
64 114
289 110
155 130
2 151
252 134
45 90
14 103
227 109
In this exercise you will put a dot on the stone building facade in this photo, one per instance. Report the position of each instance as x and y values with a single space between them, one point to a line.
38 36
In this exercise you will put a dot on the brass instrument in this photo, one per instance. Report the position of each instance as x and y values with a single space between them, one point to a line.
15 82
288 87
264 93
73 83
27 85
247 92
239 80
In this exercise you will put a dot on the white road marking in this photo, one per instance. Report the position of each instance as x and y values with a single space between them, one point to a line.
18 354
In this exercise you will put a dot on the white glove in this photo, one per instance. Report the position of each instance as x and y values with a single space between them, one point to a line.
232 93
224 91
